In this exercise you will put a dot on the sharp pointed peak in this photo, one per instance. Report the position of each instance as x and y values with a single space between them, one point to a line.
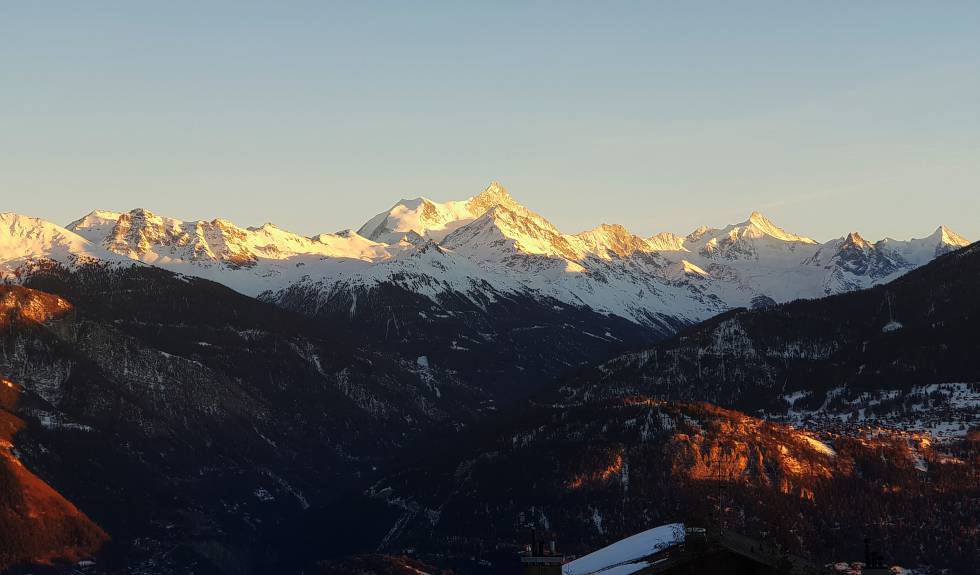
948 236
759 220
493 195
855 239
763 224
495 188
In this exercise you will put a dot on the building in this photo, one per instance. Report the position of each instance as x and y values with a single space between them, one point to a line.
541 556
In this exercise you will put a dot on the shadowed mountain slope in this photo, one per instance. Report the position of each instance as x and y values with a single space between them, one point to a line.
833 355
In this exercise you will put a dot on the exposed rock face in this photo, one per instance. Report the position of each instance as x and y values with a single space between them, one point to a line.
733 447
26 305
594 472
494 195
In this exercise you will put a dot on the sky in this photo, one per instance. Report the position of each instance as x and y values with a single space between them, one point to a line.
828 117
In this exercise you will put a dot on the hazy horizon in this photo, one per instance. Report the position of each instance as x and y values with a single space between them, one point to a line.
828 119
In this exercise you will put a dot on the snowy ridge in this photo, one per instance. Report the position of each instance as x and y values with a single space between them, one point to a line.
667 242
141 234
24 238
250 260
419 217
490 244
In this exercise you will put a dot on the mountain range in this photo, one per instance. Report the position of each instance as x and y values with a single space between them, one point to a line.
199 397
486 246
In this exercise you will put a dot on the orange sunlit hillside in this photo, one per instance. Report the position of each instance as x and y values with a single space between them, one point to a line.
37 523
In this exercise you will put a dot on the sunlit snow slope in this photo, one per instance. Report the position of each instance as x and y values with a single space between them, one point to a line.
485 246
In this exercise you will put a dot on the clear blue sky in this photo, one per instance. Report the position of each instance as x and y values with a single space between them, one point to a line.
827 116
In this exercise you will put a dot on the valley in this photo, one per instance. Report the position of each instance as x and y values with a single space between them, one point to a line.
198 397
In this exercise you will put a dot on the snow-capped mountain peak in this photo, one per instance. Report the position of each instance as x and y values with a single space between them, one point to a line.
95 225
608 240
854 240
852 262
493 195
760 224
919 251
756 237
502 231
419 216
141 234
423 218
948 237
267 256
23 238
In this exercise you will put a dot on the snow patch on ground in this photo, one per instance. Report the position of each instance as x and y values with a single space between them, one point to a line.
628 555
